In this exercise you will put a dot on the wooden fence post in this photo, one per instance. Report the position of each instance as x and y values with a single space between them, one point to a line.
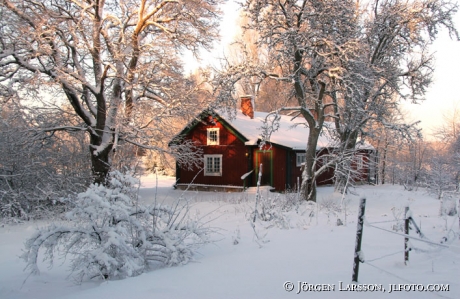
359 236
406 239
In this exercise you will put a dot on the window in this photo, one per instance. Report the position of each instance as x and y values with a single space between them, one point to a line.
213 165
301 158
213 136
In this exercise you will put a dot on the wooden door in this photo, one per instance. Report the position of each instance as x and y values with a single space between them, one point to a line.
264 158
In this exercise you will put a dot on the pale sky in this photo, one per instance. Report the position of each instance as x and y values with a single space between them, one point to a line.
444 91
441 95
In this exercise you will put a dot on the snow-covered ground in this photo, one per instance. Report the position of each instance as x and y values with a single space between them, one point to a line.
313 252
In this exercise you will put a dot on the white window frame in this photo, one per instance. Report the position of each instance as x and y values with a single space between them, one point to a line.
212 142
214 171
302 160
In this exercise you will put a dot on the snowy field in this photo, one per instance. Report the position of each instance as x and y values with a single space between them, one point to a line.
304 247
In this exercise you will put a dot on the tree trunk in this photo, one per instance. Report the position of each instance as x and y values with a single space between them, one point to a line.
100 167
308 187
348 140
384 163
100 160
315 124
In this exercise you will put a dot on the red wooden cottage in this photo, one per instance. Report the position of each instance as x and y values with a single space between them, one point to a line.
232 152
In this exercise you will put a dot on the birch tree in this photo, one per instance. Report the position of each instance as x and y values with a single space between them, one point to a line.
113 61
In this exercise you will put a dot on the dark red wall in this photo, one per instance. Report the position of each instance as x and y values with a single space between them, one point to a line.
233 151
362 175
327 177
238 159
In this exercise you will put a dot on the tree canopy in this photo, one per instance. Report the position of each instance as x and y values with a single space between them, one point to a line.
346 62
117 63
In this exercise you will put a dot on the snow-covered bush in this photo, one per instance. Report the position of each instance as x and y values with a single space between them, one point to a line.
331 205
292 200
334 206
110 235
448 207
271 209
274 208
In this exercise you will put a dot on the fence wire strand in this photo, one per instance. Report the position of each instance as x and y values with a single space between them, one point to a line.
387 221
409 236
379 258
399 277
371 224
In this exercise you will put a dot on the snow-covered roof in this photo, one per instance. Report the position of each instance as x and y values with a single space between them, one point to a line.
292 133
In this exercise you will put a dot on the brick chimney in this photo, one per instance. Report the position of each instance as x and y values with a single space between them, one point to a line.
247 106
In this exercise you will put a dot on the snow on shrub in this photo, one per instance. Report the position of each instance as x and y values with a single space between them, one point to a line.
274 209
109 235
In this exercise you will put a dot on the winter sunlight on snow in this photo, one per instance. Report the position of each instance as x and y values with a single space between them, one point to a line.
300 247
229 149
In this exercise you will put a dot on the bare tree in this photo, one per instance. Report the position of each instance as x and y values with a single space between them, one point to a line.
269 95
347 61
440 178
449 130
448 134
394 63
37 171
406 163
111 60
307 42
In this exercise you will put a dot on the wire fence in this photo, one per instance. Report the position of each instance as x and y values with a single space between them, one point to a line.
407 220
409 236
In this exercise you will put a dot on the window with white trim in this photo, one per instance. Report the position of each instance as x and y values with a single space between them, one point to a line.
300 159
213 136
213 165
